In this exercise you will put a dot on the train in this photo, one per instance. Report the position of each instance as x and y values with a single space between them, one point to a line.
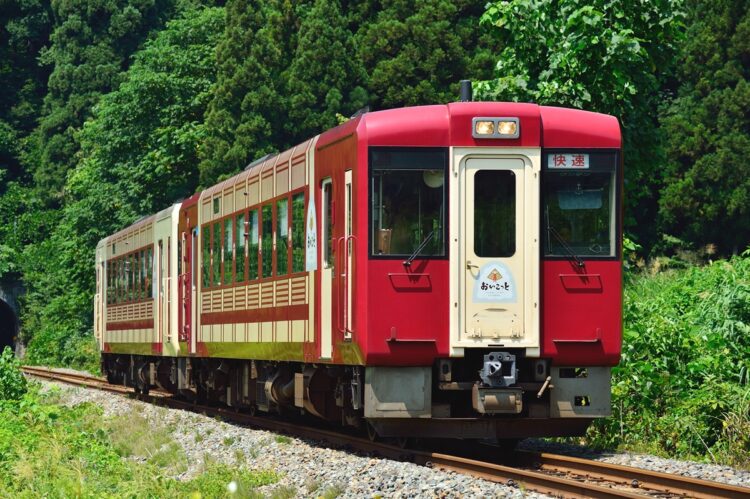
439 271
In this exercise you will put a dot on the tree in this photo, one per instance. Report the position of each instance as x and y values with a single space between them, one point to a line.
138 155
247 113
707 196
89 48
611 56
416 52
323 79
24 29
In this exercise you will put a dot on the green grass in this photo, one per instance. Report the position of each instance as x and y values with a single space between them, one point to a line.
282 439
47 450
682 388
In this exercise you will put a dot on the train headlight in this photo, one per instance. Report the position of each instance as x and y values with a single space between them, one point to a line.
507 128
495 128
484 128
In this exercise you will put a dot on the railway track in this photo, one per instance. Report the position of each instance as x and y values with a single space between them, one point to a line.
556 475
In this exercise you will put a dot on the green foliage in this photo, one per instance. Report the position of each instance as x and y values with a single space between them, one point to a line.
682 385
57 451
24 221
415 53
138 153
606 56
245 118
707 197
12 381
24 30
89 48
320 81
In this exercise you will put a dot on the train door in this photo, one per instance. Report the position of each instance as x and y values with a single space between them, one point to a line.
158 291
193 265
98 305
346 250
494 234
326 269
186 282
185 286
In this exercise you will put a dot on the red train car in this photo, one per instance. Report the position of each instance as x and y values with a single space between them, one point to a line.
449 270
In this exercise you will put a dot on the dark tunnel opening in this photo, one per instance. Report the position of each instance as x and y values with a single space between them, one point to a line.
8 326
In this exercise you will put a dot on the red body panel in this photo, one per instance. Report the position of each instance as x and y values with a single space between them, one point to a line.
581 312
562 127
408 312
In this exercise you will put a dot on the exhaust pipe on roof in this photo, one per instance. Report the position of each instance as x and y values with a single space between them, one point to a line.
465 91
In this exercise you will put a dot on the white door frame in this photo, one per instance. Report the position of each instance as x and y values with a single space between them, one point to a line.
326 273
528 243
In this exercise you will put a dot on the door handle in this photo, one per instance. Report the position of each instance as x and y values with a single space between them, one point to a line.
470 265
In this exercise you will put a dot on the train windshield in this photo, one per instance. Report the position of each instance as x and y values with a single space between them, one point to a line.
408 201
579 212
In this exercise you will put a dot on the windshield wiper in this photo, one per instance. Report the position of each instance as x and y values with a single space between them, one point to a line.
580 263
427 239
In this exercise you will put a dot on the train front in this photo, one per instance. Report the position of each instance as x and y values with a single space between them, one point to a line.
493 287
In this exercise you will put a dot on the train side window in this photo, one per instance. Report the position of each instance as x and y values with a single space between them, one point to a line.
216 255
150 271
252 243
206 257
240 255
266 250
134 277
282 236
495 213
108 269
137 276
298 232
144 275
131 277
228 246
111 282
121 280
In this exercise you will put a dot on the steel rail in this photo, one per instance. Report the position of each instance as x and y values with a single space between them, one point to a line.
628 482
637 478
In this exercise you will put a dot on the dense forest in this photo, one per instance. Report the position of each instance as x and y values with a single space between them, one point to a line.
115 109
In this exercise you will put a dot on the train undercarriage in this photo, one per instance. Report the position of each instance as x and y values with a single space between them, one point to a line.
508 398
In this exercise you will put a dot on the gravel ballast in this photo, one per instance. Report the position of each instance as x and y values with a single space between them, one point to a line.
310 467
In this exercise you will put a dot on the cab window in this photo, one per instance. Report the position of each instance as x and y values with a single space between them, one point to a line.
408 200
579 208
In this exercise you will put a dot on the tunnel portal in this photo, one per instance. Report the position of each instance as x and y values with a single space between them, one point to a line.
8 326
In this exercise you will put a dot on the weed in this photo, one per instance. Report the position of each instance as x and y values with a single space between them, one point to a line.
282 439
170 458
332 492
284 492
311 485
133 435
228 441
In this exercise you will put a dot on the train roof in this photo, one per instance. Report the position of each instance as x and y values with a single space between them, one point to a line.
451 125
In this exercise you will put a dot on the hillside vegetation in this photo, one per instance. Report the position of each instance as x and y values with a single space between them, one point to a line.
115 110
683 385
